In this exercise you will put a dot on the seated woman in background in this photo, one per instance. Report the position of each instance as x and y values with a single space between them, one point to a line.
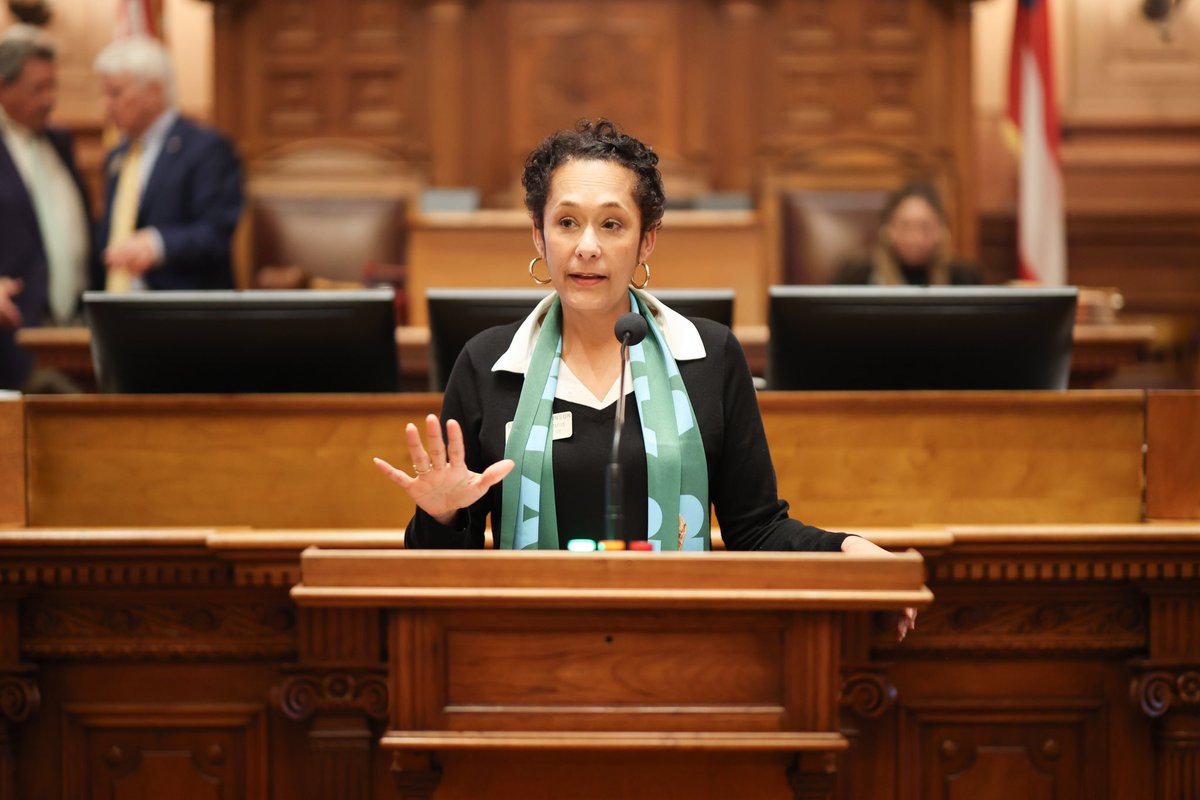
914 246
528 409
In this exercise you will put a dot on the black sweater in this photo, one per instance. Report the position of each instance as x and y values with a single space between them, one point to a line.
741 479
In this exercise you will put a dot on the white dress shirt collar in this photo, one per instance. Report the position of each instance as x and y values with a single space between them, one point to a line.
683 340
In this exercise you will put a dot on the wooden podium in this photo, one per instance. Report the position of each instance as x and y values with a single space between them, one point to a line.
608 674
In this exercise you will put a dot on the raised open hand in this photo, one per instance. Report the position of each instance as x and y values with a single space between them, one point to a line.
441 484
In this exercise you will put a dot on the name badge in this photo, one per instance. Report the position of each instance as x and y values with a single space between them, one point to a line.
561 427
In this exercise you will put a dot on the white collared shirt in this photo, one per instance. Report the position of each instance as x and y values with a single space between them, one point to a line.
62 219
683 340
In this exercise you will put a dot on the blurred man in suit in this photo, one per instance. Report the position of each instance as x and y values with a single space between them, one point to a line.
173 188
45 229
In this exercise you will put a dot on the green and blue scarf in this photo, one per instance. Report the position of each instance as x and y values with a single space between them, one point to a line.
676 470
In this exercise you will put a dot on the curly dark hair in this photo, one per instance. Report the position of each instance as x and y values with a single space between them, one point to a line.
601 140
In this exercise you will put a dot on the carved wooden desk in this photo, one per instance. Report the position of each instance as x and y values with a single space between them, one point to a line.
173 662
561 661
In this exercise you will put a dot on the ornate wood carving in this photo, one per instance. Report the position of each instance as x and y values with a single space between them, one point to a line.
121 573
342 707
1166 688
19 698
567 62
118 628
711 85
1160 691
1172 698
1004 725
868 695
304 694
1005 625
970 768
847 72
310 68
165 750
1073 567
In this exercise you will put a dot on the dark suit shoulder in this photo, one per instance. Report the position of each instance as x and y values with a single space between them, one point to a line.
198 133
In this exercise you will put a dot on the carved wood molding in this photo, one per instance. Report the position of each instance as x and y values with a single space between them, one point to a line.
19 698
108 629
1159 691
1074 567
108 573
269 575
868 694
304 694
1087 624
217 749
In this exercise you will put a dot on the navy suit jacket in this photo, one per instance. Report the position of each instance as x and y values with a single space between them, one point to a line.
23 255
193 197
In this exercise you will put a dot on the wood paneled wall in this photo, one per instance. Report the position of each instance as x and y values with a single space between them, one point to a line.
1129 101
724 89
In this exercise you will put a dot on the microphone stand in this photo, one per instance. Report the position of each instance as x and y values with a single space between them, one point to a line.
614 518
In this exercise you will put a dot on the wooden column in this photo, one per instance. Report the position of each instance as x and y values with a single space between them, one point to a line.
340 686
448 90
739 81
230 65
1166 687
961 128
19 696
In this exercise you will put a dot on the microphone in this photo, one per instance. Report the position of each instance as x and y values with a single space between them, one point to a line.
630 329
633 326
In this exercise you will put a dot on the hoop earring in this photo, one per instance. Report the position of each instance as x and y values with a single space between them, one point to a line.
645 282
536 279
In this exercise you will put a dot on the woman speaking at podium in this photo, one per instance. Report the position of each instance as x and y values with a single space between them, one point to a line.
528 409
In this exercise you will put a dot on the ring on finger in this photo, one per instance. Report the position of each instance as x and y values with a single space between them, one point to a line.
420 471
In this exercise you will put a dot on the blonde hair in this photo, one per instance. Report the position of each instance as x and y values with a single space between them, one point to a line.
885 267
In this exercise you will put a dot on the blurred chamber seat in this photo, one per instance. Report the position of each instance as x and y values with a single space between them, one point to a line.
330 214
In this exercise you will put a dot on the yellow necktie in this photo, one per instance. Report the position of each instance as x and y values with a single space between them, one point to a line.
124 212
